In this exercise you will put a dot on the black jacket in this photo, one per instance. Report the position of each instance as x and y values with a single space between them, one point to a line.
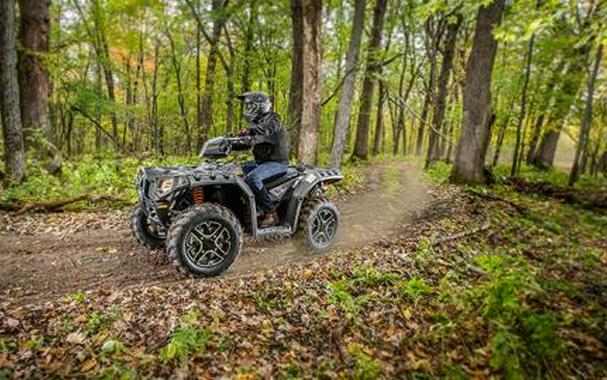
270 140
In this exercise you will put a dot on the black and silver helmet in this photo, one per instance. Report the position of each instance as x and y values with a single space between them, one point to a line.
255 104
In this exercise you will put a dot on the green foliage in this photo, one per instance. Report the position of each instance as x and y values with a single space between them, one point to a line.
439 172
553 175
89 175
341 296
414 288
365 366
186 339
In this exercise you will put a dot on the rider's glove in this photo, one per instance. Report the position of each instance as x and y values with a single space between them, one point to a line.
244 133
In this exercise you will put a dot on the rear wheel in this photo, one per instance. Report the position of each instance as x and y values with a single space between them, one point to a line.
148 233
319 224
205 240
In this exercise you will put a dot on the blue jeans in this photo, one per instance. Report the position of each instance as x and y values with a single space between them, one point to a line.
256 174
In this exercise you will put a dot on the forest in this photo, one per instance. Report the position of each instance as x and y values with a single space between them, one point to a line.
471 135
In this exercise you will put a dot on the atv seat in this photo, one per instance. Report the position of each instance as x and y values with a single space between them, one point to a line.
281 178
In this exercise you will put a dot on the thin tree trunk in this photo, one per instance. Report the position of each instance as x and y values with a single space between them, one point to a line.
297 80
379 121
14 154
361 145
432 42
311 94
523 108
342 120
441 92
199 115
477 112
180 96
578 161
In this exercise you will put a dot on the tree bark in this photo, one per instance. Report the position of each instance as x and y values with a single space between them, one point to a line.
206 113
361 145
311 94
14 154
379 120
477 109
296 85
578 161
342 120
33 73
441 92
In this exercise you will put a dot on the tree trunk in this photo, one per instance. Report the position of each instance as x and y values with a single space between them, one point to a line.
578 161
342 120
432 42
33 73
199 115
180 95
296 86
361 145
523 108
438 117
311 92
206 113
379 121
14 154
477 110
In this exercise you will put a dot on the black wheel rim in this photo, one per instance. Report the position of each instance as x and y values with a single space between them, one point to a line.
324 226
207 244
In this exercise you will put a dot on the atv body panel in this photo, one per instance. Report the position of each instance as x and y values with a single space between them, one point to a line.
221 183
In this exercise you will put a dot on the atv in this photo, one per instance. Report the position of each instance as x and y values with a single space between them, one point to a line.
199 212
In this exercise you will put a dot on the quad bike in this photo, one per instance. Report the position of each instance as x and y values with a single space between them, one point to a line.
199 213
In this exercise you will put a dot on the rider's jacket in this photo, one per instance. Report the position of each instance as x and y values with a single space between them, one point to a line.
270 140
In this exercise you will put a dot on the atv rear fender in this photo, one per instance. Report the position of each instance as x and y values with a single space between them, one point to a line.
313 179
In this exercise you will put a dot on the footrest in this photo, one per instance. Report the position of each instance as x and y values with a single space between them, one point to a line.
274 231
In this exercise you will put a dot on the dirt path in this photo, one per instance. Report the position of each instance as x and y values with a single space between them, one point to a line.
45 256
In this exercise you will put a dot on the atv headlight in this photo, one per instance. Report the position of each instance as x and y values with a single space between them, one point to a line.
165 185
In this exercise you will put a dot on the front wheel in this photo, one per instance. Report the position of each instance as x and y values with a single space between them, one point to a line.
319 224
205 240
148 233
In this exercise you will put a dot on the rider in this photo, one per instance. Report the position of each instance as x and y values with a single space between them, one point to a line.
270 144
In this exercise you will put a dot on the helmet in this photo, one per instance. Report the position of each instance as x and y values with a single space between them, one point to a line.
255 104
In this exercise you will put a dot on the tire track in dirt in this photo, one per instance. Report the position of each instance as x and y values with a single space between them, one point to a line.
42 267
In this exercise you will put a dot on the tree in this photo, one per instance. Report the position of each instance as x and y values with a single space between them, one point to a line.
33 74
441 93
477 116
373 64
571 81
14 155
434 31
311 92
523 107
296 84
582 144
342 120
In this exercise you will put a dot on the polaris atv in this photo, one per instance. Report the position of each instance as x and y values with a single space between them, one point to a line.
199 213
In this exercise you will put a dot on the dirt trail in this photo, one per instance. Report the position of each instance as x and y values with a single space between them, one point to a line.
45 256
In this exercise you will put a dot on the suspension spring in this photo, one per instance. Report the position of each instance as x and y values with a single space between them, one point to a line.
198 195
